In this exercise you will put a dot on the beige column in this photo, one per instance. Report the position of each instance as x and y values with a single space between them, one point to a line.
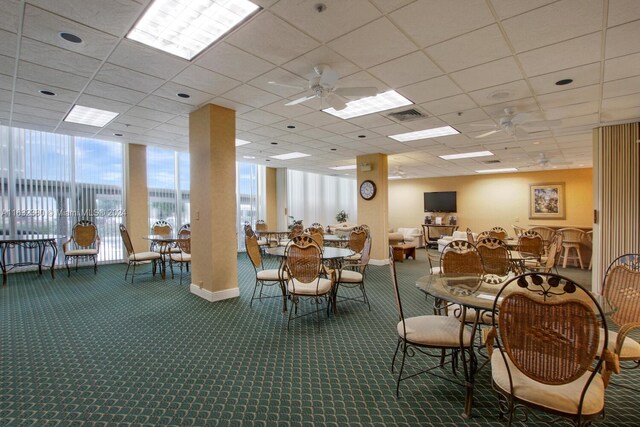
375 212
213 203
137 196
272 199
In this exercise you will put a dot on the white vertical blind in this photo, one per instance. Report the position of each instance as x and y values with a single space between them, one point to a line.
250 197
318 198
163 191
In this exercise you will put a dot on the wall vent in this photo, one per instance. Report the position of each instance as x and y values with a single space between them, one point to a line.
407 115
491 162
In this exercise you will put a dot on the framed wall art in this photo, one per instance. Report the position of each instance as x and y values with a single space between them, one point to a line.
546 201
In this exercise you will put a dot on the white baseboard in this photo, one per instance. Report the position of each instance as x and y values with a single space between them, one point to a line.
214 296
379 261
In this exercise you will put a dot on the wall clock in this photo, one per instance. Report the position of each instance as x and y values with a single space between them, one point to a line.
368 190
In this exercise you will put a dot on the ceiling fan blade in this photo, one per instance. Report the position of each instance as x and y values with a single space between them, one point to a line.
482 125
491 132
300 100
336 102
357 92
328 77
542 123
286 85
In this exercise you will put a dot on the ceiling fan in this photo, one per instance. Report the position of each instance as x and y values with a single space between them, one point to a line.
544 162
516 124
322 85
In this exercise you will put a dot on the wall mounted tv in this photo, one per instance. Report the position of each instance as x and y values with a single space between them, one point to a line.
441 201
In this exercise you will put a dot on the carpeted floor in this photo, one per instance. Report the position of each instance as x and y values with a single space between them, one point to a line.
97 351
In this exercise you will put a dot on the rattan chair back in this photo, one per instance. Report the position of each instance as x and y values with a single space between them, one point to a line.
366 228
186 226
357 238
253 250
184 241
126 240
296 230
483 235
549 328
316 235
571 235
470 238
460 257
498 233
518 230
248 231
317 225
621 287
261 225
162 228
495 256
303 259
84 234
545 232
531 243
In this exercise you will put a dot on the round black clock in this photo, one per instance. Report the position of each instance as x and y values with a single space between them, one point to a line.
368 189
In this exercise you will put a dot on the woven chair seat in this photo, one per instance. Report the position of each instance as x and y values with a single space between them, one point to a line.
564 398
144 256
272 275
630 348
436 331
181 257
350 276
320 286
81 252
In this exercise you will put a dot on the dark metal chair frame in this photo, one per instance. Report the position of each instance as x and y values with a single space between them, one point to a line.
83 236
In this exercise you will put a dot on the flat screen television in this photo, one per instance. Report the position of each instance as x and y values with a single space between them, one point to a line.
440 201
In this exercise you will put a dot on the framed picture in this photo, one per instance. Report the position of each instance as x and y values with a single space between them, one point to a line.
546 201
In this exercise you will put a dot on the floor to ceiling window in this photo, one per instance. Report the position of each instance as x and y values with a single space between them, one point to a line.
51 181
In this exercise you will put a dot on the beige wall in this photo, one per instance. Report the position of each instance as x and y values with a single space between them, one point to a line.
272 199
485 201
374 212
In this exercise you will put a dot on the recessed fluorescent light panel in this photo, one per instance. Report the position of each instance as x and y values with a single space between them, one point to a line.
344 168
89 116
466 155
289 156
395 177
424 134
498 170
372 104
240 142
186 27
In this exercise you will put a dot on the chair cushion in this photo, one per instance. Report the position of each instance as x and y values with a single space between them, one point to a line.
81 252
181 257
436 270
630 348
263 241
455 310
169 250
564 398
144 256
319 286
355 257
436 331
350 276
272 275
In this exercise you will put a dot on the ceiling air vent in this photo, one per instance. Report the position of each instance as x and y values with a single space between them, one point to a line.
407 115
491 162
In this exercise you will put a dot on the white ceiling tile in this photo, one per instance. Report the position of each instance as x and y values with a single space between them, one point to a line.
431 22
582 76
262 117
304 64
467 116
569 54
569 97
294 138
270 132
46 27
38 112
499 94
272 39
491 74
10 15
116 75
7 65
341 127
621 40
32 88
387 6
163 104
371 121
233 62
150 114
245 125
137 122
575 110
622 11
627 101
621 87
389 43
563 20
316 133
37 101
474 48
102 103
318 118
133 55
178 130
448 105
337 19
235 106
288 111
508 8
429 90
26 118
8 44
117 93
50 76
54 57
170 90
250 95
286 80
621 67
205 80
622 114
116 20
406 70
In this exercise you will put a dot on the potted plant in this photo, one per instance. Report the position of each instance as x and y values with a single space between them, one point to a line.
342 216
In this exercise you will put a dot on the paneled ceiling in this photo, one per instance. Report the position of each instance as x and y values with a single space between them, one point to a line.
461 62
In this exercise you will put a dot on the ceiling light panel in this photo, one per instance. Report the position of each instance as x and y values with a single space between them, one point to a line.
497 170
289 156
344 168
372 104
240 142
89 116
186 27
424 134
466 155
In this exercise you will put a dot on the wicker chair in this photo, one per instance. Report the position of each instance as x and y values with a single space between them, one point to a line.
357 237
496 259
183 258
186 226
571 241
163 228
531 243
543 348
83 243
547 263
296 230
498 233
264 277
547 235
137 258
352 275
304 267
433 335
518 230
316 234
621 288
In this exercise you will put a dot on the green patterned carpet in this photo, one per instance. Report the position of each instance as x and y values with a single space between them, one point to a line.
97 351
